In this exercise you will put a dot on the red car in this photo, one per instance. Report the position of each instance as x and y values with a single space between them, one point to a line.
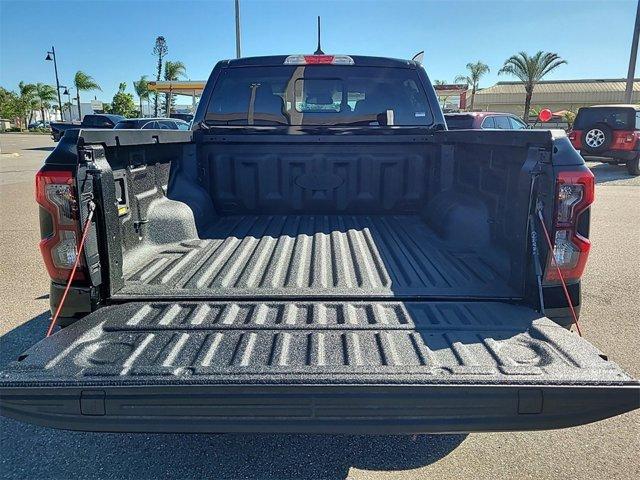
483 121
610 133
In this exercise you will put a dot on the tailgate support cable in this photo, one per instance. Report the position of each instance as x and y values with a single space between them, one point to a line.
85 231
557 267
535 253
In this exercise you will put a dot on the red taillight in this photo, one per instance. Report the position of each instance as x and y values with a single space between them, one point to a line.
574 138
574 194
55 192
318 60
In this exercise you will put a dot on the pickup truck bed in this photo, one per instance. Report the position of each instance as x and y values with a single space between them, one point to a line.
334 269
317 256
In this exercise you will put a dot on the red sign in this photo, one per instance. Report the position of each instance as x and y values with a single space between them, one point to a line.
545 115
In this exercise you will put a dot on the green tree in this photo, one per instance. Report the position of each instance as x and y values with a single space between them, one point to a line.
123 103
27 102
569 117
172 72
9 105
45 94
84 83
476 72
160 50
142 91
439 82
530 70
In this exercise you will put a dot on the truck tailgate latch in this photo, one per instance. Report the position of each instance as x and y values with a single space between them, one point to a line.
92 402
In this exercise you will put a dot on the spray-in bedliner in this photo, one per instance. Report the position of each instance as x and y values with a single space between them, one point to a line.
318 256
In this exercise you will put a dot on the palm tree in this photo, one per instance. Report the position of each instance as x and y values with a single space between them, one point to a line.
531 70
160 50
28 101
142 90
45 94
172 71
476 72
67 106
83 82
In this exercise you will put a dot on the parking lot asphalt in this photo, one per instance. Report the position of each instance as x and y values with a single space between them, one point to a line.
610 320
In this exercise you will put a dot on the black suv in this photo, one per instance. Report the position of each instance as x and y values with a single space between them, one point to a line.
609 132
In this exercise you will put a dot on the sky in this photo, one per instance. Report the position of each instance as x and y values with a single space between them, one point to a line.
113 40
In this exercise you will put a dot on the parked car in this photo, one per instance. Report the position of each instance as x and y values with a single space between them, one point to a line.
98 120
610 134
152 123
38 124
484 121
319 254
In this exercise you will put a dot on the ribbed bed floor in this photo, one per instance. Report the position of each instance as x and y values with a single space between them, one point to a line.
317 256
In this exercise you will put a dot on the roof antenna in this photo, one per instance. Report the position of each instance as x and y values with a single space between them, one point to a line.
318 50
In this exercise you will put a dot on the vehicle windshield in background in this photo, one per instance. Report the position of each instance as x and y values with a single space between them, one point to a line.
459 122
617 118
319 95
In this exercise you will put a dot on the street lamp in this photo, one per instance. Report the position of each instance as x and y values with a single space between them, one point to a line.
51 56
66 92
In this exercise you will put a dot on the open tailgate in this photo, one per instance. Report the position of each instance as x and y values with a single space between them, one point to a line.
296 366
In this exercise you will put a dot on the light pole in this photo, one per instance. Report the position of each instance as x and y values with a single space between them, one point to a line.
52 56
632 60
238 54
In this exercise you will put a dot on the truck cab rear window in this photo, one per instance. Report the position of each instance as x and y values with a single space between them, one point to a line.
319 95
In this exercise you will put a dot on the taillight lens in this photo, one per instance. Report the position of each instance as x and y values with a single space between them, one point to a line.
55 193
318 60
574 194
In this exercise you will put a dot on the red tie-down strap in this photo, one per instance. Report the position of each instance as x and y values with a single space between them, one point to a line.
559 272
83 239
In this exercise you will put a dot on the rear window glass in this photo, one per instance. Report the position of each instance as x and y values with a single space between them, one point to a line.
616 118
459 122
327 95
502 122
489 122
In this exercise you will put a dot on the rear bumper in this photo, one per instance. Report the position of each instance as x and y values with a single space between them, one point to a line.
390 409
609 155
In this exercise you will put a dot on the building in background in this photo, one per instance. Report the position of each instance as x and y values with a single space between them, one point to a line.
556 95
452 97
178 88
